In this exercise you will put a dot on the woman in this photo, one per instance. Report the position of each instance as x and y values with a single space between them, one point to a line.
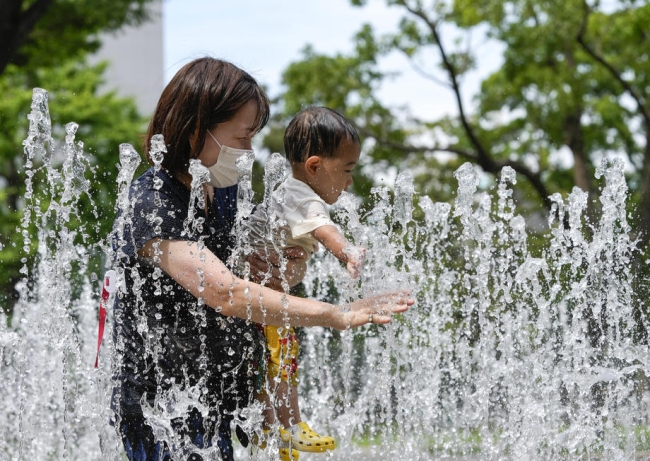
187 346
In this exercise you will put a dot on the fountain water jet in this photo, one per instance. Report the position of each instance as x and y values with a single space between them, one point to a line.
508 354
53 401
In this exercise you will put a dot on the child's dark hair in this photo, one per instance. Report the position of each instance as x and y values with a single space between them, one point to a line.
317 131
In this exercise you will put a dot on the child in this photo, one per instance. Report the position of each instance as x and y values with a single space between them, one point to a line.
323 149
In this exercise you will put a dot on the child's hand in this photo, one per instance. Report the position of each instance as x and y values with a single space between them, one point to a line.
356 257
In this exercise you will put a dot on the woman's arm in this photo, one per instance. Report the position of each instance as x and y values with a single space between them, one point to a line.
205 276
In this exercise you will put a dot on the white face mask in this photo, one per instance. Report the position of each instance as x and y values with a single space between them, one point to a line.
224 173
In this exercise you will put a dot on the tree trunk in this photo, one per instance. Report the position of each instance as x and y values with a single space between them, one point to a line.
643 210
16 25
575 141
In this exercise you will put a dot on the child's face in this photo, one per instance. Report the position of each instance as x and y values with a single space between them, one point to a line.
334 174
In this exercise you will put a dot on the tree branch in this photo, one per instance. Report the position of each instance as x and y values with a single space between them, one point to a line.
615 73
482 156
493 167
453 77
427 75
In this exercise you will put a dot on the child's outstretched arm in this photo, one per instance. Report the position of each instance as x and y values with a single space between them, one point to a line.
337 244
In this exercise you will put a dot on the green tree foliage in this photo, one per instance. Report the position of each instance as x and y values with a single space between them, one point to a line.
104 121
51 54
573 83
37 33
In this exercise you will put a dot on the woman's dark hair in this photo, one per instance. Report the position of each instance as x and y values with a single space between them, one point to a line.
203 93
317 131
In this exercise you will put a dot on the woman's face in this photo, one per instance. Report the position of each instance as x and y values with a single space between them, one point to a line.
236 133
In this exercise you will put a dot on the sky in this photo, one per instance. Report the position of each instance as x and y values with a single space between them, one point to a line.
264 36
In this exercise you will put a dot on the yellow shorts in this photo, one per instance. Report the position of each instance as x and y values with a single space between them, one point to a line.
283 354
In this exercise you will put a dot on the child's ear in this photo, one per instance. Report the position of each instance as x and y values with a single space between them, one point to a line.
312 164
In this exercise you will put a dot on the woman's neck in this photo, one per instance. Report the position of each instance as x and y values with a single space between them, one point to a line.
208 190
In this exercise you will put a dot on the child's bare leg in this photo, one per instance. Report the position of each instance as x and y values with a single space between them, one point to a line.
293 429
288 409
286 452
268 412
282 381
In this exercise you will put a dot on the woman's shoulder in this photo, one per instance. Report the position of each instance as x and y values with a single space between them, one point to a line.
153 185
157 208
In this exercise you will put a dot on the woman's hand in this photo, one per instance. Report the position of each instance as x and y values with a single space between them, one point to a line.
374 309
266 269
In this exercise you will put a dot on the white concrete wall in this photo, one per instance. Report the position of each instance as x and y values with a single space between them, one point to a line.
136 61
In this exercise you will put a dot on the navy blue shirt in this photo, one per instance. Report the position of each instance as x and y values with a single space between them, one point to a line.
162 333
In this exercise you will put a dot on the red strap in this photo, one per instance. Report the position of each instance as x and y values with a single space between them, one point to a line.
107 289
